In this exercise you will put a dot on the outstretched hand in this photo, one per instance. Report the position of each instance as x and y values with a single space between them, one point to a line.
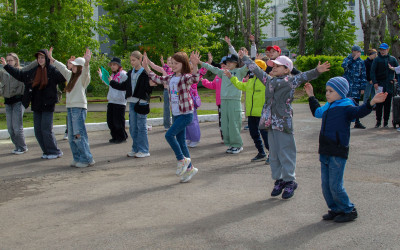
309 89
228 40
3 61
378 98
195 58
227 73
321 68
87 56
242 53
252 39
210 58
50 54
390 66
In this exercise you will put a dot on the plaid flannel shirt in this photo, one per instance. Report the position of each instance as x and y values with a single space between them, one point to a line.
185 100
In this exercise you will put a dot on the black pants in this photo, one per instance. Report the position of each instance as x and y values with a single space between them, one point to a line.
358 103
116 121
255 133
385 106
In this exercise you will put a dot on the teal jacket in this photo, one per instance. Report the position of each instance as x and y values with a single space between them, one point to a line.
228 90
255 94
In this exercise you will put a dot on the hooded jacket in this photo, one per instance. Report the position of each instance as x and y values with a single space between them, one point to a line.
380 72
43 100
142 90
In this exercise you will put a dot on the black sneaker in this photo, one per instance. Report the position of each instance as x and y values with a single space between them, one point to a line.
278 187
288 192
259 157
111 140
378 124
119 141
236 150
331 215
359 125
346 217
385 125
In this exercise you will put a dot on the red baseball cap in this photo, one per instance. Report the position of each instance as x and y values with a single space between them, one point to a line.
275 47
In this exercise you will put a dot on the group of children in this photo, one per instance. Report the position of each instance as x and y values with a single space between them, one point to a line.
268 106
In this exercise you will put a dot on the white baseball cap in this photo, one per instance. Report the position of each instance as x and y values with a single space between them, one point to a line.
281 60
80 61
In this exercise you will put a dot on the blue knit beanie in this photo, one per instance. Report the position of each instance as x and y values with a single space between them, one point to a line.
340 85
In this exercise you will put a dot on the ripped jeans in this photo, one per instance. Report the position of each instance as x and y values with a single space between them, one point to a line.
77 135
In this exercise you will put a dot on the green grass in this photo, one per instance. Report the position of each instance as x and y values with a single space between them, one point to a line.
92 117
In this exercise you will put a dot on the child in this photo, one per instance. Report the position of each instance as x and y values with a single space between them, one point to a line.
182 107
116 103
193 132
13 91
231 107
78 79
337 115
277 118
138 92
43 81
255 99
216 84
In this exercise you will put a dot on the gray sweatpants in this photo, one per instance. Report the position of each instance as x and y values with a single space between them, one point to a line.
282 155
14 116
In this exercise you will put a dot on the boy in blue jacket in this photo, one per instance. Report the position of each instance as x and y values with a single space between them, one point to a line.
337 115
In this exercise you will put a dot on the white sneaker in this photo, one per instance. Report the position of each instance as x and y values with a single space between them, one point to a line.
73 163
19 151
398 130
182 166
189 174
237 150
81 165
51 157
229 150
131 154
193 144
142 155
44 156
65 136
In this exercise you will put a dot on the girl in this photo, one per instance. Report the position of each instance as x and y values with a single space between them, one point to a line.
43 81
182 107
116 103
13 91
78 79
138 92
277 116
231 107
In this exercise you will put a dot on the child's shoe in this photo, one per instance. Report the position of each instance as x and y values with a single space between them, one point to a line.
237 150
331 215
378 124
346 217
182 166
51 157
278 187
229 150
65 136
267 161
193 144
259 157
19 151
288 192
188 175
131 154
398 130
359 125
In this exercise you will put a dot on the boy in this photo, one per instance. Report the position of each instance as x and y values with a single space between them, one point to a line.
337 115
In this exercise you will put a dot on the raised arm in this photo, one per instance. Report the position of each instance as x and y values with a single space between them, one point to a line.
155 78
63 69
253 67
253 49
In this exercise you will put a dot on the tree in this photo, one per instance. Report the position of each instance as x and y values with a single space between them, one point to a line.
66 25
392 8
329 30
372 21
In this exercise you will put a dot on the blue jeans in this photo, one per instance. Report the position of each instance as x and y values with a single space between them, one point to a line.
138 130
14 117
253 122
43 126
76 126
332 170
368 92
167 112
176 135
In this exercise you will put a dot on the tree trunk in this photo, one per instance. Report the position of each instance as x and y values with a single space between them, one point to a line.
318 27
256 24
365 23
248 24
392 8
303 26
240 8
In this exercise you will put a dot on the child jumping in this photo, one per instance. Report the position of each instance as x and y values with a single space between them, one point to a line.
181 105
337 115
277 117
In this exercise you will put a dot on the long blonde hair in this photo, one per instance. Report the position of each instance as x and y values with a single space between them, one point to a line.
16 58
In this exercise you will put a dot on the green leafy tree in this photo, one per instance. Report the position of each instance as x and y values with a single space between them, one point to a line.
329 30
66 25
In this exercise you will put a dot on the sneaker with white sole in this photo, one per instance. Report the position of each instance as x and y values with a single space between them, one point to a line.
81 165
44 156
398 130
19 151
51 157
188 175
193 144
73 163
229 150
65 136
142 155
131 154
237 150
182 166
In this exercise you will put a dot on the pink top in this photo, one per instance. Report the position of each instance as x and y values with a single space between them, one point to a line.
215 84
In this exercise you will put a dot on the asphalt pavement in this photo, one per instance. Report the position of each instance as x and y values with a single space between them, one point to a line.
126 203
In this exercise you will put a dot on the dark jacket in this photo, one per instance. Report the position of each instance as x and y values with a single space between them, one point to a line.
336 117
142 90
368 64
380 72
42 100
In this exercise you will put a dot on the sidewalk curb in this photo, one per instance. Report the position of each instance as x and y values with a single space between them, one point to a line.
60 129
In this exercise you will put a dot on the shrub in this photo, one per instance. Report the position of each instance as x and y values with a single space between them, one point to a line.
304 63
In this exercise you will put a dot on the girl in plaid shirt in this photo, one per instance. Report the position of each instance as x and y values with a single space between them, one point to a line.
181 105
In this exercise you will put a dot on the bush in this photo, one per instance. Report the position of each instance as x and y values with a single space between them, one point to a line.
305 63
